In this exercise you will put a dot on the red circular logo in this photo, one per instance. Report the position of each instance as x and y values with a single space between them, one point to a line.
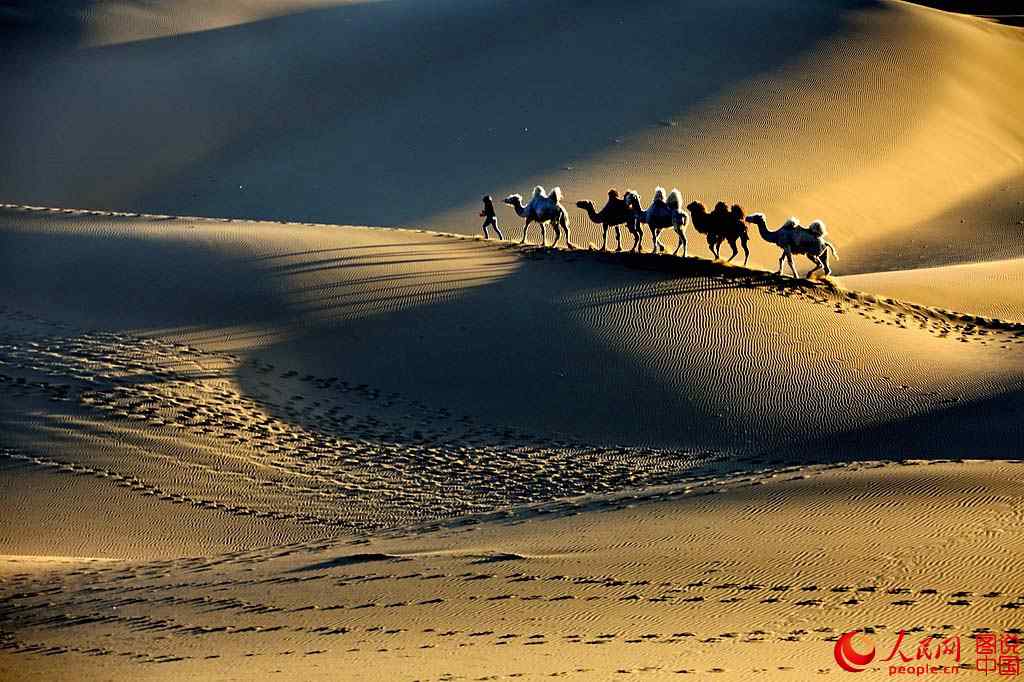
850 659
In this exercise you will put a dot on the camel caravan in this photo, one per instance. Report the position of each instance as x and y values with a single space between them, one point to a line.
722 224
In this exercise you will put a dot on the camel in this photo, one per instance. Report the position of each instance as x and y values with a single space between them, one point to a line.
615 213
543 208
722 224
792 238
636 218
664 212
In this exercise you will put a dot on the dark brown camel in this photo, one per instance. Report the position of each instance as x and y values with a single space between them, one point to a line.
721 224
615 213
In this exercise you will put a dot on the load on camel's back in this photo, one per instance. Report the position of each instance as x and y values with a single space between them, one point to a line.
543 208
793 238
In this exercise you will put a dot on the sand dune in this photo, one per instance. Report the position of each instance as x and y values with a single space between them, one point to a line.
296 447
231 385
181 125
991 288
734 579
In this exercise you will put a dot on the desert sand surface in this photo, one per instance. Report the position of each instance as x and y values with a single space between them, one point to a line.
322 450
324 431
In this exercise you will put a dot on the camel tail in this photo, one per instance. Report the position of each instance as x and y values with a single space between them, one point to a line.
675 199
835 253
556 195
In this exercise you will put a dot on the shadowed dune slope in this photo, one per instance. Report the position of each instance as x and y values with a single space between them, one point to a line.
813 108
339 379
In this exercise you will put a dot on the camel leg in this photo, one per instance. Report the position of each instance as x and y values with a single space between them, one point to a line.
682 241
782 258
746 250
543 233
618 239
817 265
565 226
792 266
824 262
526 226
655 240
735 251
604 238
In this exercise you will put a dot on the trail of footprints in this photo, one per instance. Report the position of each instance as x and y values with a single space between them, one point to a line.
880 310
339 453
129 597
333 452
351 456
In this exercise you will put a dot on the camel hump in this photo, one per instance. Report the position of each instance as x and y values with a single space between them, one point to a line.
556 195
675 199
659 194
817 228
791 221
538 191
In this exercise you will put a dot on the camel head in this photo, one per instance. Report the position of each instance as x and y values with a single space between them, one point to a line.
584 204
696 207
513 199
756 219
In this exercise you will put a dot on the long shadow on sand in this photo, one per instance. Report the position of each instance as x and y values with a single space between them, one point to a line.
647 359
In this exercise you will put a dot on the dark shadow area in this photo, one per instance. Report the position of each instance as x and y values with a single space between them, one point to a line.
533 334
992 428
380 113
349 560
1009 12
158 283
34 29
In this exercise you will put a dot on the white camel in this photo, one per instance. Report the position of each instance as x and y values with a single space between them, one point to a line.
543 208
664 212
792 238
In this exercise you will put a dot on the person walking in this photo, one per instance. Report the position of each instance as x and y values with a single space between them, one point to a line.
490 218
